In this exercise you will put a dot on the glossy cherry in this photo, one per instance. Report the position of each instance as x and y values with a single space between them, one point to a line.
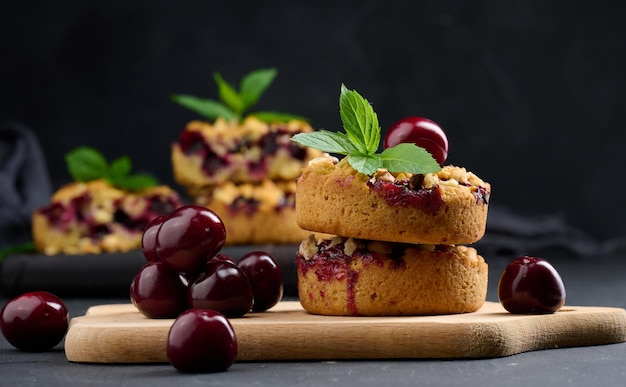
157 291
223 257
201 340
34 321
265 277
421 132
531 285
222 287
189 237
148 239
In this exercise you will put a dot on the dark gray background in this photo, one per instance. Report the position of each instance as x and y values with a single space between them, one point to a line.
531 93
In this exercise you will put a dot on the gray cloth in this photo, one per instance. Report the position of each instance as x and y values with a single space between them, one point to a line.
513 234
24 182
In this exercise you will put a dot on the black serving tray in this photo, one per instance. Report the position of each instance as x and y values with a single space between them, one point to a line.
109 275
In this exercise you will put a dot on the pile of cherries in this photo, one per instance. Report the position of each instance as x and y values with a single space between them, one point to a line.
187 278
185 269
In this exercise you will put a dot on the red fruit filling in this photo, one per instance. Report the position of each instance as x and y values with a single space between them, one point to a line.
61 216
331 263
193 143
397 194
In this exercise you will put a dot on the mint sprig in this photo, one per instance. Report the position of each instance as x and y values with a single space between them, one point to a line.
233 104
361 141
86 164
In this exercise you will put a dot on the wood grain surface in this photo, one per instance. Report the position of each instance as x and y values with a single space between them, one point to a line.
120 334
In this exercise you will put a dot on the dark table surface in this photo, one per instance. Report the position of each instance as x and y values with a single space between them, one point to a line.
597 281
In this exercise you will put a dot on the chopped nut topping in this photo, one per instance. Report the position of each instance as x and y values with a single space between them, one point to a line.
430 180
308 247
383 175
350 247
470 253
403 177
334 242
325 159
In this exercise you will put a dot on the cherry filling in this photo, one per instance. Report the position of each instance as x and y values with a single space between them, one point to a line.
331 263
246 205
249 206
77 211
400 195
193 143
61 216
482 195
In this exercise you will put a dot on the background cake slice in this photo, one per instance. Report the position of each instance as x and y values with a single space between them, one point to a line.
243 166
104 210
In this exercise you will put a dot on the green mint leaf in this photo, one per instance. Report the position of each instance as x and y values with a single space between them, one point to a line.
254 84
26 247
366 164
133 182
120 167
362 138
233 104
326 141
86 164
207 108
410 158
228 95
273 117
359 120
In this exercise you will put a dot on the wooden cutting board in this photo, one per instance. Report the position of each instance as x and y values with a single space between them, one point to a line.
120 334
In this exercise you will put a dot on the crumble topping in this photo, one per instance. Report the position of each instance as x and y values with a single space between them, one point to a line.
323 161
350 246
252 129
268 194
449 175
311 246
308 248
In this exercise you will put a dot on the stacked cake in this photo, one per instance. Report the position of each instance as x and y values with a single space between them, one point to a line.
401 237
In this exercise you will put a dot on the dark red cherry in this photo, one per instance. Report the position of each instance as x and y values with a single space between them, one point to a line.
189 237
201 341
265 277
193 276
158 291
35 321
223 257
531 285
222 287
421 132
148 239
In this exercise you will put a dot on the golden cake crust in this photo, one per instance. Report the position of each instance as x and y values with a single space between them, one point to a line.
95 217
447 207
255 213
238 153
344 276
